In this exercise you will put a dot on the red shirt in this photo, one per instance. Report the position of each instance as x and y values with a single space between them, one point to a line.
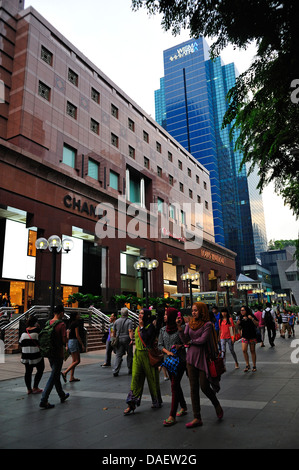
60 332
224 328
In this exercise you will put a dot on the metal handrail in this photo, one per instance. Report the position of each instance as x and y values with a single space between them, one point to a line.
98 319
8 332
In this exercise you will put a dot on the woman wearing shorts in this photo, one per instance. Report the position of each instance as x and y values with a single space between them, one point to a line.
247 322
74 343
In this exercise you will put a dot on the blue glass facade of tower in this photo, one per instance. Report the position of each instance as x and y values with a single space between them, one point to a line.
193 99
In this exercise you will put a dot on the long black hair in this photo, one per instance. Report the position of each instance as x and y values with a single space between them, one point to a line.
228 317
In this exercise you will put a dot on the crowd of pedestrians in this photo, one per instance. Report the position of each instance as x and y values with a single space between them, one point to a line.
185 345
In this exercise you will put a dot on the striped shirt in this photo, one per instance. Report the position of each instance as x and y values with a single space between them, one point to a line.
285 317
30 347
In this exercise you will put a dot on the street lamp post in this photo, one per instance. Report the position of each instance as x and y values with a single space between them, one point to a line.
145 266
282 296
190 277
246 288
54 244
258 292
227 284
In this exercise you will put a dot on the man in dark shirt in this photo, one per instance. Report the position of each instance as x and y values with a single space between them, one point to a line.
56 361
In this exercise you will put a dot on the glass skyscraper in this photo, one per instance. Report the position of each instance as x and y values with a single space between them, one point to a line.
190 105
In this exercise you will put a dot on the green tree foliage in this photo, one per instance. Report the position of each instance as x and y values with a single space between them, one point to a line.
281 244
264 103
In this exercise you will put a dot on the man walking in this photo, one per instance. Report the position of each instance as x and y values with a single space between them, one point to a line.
56 360
269 319
123 330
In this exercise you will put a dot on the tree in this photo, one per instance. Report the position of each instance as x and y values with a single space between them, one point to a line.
263 108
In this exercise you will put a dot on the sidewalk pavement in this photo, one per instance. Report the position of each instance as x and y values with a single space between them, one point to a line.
261 410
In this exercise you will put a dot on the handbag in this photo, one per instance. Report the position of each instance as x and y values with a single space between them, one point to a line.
156 357
171 363
216 366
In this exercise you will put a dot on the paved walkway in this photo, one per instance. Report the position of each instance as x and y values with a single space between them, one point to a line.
261 410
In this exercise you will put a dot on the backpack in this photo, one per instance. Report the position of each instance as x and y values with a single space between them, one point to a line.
47 339
268 317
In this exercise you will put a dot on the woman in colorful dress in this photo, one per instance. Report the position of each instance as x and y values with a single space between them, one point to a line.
145 336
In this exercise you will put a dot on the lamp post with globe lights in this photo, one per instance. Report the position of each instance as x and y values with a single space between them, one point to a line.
54 244
145 266
190 277
227 284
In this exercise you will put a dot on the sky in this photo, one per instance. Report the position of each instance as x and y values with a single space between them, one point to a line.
128 47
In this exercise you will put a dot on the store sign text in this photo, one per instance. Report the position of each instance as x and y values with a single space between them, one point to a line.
212 256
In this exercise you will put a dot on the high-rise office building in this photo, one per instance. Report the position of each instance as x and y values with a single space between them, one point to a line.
190 105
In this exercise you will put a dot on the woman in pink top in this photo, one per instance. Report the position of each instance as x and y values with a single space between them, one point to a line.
226 324
201 337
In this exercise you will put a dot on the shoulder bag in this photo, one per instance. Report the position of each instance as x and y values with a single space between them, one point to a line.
156 357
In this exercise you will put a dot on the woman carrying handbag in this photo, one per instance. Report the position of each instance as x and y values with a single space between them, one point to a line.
171 345
200 335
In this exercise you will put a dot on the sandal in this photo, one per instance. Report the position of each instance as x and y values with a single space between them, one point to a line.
63 375
247 368
130 409
75 380
183 412
254 369
169 422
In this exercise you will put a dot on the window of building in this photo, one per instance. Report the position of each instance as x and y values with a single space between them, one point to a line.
135 190
32 236
114 111
172 212
113 180
44 91
180 165
205 185
46 55
206 205
131 152
114 140
159 171
131 125
169 156
95 95
94 126
146 162
72 77
183 217
198 199
93 169
145 137
197 179
181 187
189 172
191 193
71 110
69 156
160 205
158 147
170 180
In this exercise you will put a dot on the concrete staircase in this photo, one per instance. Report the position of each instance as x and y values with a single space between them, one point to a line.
94 339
